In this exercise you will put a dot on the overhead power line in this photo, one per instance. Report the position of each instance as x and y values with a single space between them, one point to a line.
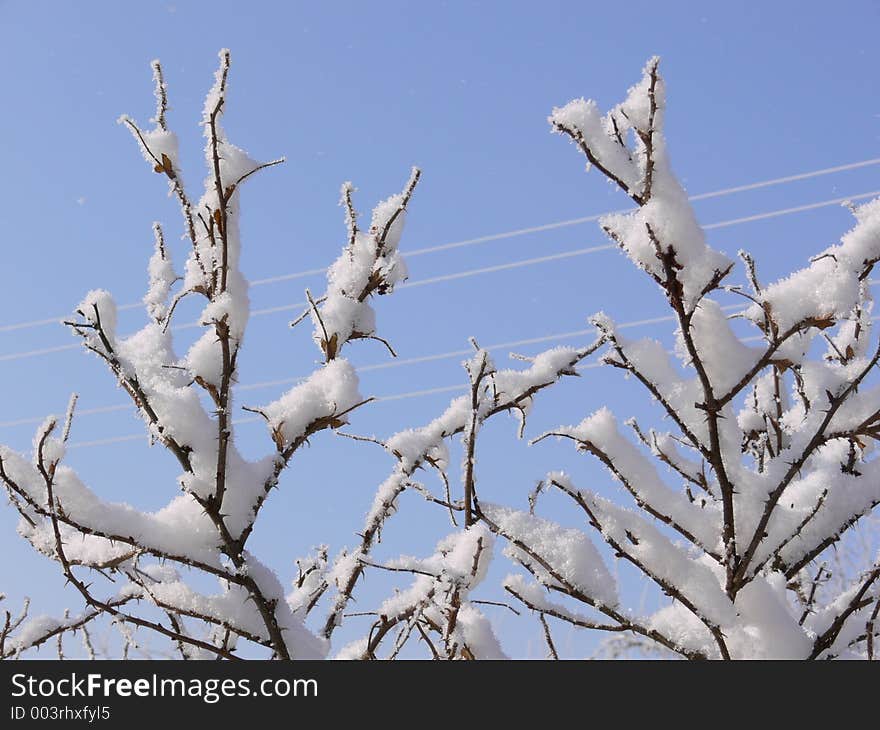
389 364
517 232
596 216
393 397
487 269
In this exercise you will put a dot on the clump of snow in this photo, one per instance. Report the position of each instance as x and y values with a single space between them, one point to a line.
829 288
99 308
569 552
664 224
441 589
369 264
327 393
599 433
161 277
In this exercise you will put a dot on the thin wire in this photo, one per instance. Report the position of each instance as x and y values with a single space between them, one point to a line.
517 232
57 320
457 275
255 419
505 267
396 363
786 179
412 393
594 217
43 351
82 412
489 269
789 211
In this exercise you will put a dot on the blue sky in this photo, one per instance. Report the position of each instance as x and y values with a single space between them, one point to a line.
361 91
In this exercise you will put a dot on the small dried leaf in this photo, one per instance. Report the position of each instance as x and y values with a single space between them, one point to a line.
783 364
278 437
330 348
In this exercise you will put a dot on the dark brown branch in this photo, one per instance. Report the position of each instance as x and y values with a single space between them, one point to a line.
131 385
767 357
711 406
810 598
496 603
177 187
815 442
574 592
231 189
373 529
578 138
625 363
667 587
48 472
470 435
792 570
826 639
795 533
62 628
869 629
548 637
602 456
568 618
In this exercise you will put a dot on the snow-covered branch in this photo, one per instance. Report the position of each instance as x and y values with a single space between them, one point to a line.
205 529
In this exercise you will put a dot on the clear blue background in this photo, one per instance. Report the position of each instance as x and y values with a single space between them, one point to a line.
361 91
